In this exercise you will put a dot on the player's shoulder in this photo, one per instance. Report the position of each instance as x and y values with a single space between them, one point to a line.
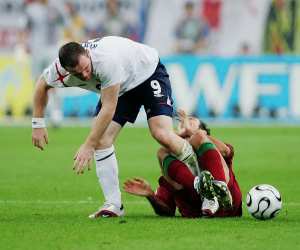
115 42
101 41
115 38
55 74
103 51
99 47
92 43
56 68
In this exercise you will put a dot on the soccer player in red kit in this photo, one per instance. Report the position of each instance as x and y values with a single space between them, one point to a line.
179 187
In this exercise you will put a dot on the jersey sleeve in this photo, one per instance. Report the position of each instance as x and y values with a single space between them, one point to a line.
55 75
111 73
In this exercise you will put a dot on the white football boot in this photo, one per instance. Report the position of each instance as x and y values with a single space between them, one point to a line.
209 207
203 185
108 210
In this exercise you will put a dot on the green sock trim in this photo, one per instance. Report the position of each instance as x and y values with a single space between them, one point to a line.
166 163
205 147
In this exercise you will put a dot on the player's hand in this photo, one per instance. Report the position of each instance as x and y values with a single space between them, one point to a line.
188 125
39 137
184 126
138 186
182 115
83 158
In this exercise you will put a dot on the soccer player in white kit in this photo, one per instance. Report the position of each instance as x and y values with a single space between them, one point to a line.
127 75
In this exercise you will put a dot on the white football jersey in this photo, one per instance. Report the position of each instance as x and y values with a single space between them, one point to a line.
114 60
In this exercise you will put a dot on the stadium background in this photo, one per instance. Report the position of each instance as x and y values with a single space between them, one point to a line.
243 80
249 73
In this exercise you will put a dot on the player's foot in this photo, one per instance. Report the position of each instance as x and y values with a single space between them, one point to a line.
203 185
108 210
223 194
209 207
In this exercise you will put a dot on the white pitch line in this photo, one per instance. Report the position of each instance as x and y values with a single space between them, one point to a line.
66 202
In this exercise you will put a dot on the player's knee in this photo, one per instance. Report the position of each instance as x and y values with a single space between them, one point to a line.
105 142
198 138
161 136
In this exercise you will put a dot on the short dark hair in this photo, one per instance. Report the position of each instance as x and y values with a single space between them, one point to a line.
69 53
204 126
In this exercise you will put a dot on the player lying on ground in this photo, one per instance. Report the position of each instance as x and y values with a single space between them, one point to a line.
193 196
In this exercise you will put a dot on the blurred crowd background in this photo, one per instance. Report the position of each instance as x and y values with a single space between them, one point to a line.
31 32
213 27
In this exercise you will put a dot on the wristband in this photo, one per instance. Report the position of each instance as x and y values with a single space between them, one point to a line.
38 122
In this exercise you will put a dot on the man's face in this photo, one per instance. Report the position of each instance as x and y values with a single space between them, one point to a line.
188 126
83 70
194 124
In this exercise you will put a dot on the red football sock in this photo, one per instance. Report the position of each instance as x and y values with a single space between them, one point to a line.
211 161
180 173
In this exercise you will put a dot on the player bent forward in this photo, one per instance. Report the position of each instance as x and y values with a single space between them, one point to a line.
215 193
128 75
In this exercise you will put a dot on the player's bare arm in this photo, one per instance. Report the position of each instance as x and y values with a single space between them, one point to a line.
221 146
40 99
140 187
109 99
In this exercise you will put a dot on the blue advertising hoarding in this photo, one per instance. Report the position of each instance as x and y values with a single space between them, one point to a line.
226 88
238 86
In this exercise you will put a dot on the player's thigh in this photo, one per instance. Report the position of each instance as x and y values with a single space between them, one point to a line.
156 94
160 127
127 109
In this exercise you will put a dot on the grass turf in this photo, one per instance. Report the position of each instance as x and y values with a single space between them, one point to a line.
44 205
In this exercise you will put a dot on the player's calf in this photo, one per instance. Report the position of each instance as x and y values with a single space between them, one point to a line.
177 172
203 184
189 157
209 158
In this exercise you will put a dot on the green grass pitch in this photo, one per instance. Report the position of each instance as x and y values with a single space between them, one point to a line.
44 205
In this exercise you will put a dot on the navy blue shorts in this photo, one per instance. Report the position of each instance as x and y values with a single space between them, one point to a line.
154 94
